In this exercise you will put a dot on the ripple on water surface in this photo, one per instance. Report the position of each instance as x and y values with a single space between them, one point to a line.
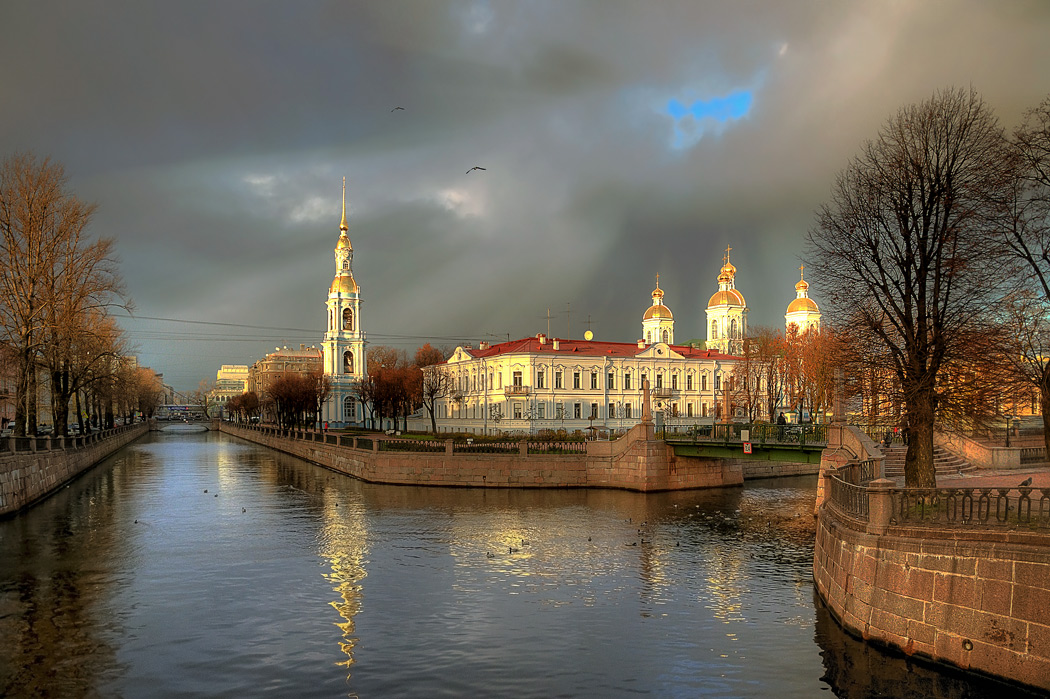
202 565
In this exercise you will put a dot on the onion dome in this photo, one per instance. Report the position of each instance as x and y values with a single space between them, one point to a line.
803 304
727 297
343 284
658 309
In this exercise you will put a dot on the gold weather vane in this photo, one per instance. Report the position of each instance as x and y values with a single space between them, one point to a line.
342 224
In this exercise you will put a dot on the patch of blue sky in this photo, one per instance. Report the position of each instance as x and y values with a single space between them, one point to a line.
692 120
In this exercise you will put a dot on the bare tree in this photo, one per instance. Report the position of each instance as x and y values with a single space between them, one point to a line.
436 383
202 396
50 273
902 243
1027 233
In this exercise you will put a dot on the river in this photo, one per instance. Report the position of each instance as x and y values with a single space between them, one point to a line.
201 565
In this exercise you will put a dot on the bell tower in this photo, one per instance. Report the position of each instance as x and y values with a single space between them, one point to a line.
344 341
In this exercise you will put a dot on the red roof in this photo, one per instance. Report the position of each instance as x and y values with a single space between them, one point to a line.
586 348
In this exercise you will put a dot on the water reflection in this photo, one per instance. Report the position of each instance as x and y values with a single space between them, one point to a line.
343 542
201 565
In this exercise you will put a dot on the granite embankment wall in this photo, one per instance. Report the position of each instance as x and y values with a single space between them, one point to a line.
33 468
977 598
634 462
754 470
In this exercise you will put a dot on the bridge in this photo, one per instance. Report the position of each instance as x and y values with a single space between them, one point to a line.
762 442
180 418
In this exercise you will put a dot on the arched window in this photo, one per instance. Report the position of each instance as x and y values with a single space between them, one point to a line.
714 329
648 336
346 264
665 337
348 362
349 409
348 319
732 328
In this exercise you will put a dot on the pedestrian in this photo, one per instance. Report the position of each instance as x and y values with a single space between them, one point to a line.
781 420
326 425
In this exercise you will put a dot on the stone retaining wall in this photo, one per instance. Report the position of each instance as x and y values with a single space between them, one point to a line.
977 600
634 462
29 476
775 469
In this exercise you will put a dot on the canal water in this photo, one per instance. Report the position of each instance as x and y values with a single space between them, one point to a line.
201 565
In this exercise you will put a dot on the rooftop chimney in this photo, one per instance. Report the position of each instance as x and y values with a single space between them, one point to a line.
555 343
483 345
542 338
641 343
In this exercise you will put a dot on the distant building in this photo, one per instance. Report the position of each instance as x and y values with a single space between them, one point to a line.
230 381
538 383
281 362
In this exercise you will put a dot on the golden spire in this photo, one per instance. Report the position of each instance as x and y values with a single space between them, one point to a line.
342 225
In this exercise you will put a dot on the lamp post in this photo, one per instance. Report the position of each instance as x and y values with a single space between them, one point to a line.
1008 419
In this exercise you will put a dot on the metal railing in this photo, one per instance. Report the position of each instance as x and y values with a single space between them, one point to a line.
879 433
557 447
849 488
758 433
411 445
486 448
985 508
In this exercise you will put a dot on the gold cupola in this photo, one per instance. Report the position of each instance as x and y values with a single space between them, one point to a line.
658 321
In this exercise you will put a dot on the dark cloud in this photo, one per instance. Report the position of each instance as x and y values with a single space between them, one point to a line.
214 138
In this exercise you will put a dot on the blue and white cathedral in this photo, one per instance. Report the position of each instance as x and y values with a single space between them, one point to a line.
344 341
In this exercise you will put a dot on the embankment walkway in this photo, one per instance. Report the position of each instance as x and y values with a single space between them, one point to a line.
958 574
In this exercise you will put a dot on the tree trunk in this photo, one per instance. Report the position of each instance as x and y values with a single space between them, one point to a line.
918 463
1044 407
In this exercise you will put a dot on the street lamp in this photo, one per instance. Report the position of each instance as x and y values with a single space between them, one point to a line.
1008 419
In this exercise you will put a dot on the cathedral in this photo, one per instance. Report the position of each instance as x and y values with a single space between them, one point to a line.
343 348
540 383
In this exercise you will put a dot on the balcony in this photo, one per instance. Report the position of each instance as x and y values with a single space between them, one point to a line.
516 390
662 392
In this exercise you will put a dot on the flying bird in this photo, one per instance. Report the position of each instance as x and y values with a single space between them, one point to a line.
397 108
476 167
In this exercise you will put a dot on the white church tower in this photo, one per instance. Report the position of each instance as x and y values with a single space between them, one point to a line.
802 313
344 342
727 313
658 321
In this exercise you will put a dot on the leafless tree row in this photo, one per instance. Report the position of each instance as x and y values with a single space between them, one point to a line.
57 287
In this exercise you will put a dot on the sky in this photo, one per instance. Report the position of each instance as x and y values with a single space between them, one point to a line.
620 140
